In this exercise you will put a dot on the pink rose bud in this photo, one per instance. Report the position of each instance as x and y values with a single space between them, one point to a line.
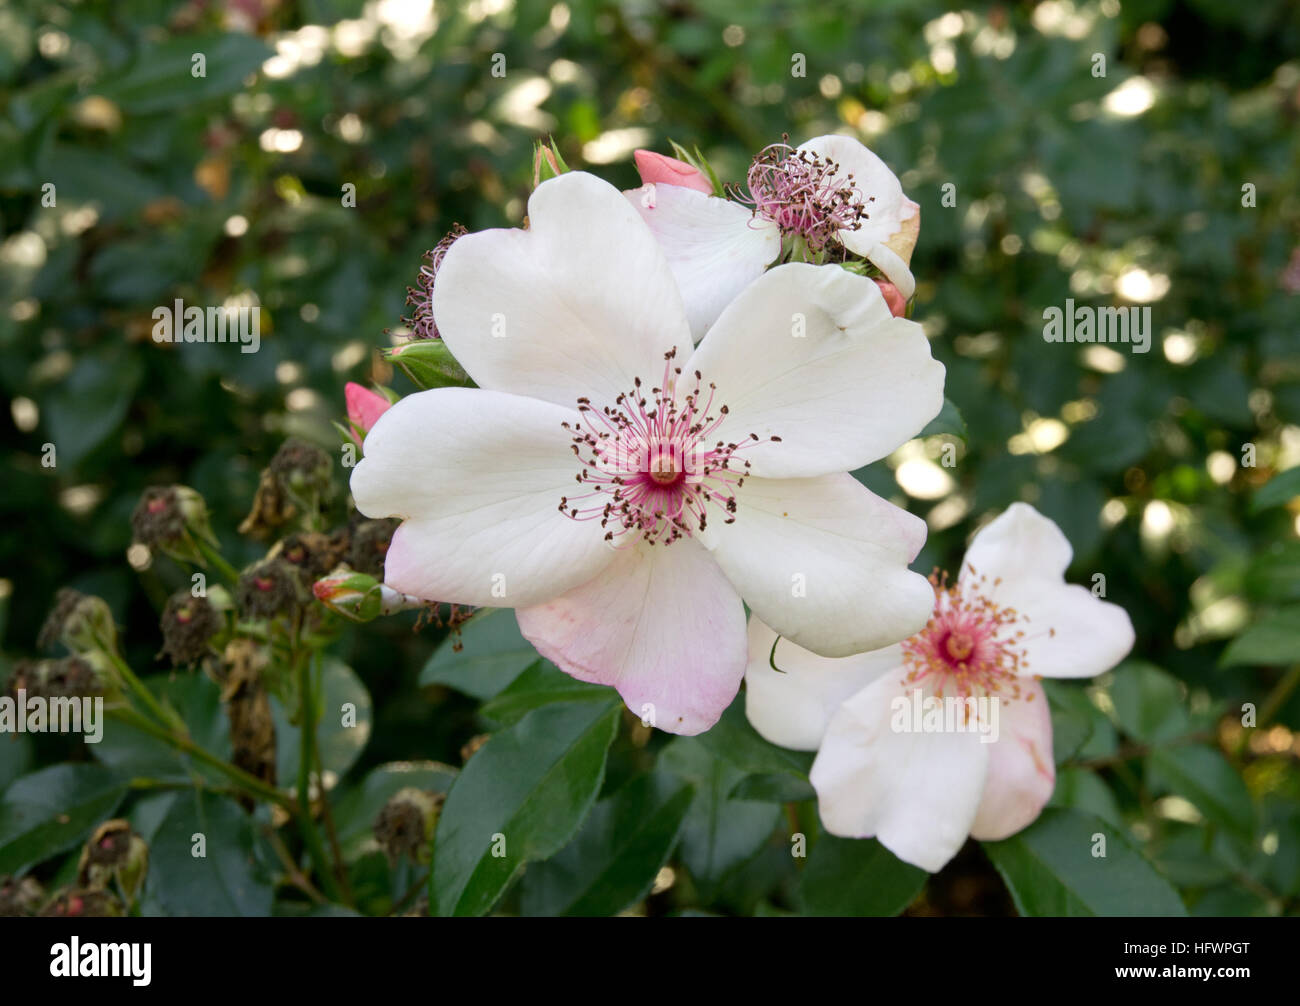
359 597
663 170
897 305
364 406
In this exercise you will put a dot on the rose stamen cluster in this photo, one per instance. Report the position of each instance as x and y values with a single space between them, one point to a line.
971 646
648 465
804 195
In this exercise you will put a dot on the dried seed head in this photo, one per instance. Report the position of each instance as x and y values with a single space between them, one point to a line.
420 296
800 192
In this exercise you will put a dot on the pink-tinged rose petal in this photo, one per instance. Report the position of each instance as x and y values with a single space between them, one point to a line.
897 303
660 624
670 171
477 477
715 247
917 791
364 406
1021 773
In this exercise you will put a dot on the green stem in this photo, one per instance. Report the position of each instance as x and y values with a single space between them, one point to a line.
306 757
167 717
145 783
294 875
327 815
246 783
214 557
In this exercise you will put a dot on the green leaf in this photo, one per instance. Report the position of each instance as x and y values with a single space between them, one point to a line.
1275 574
1205 777
1273 639
949 421
540 685
735 741
358 806
493 654
1190 858
613 861
15 758
1073 718
773 788
522 796
1084 790
52 810
721 832
1230 901
340 745
1051 870
161 78
108 182
857 877
1148 702
1281 489
226 880
101 384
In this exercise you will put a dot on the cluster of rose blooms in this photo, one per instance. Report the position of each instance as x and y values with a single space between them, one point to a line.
657 399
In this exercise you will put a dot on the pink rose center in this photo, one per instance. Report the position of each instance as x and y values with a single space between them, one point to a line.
971 645
648 465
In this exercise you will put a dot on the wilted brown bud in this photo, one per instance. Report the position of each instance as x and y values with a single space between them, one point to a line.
270 587
298 477
81 622
252 729
312 553
20 898
68 677
172 520
84 904
188 625
369 545
303 469
471 746
406 824
113 851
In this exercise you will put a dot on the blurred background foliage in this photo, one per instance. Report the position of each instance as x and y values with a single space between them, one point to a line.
1126 188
